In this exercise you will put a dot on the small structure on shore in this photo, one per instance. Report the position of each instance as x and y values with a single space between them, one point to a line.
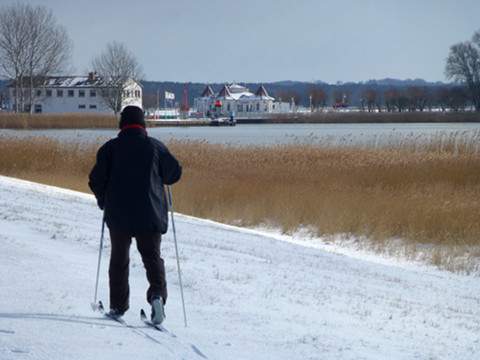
239 100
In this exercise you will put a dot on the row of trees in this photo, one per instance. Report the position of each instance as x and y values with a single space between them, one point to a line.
34 46
392 99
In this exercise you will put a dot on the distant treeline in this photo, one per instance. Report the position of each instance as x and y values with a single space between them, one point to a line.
386 95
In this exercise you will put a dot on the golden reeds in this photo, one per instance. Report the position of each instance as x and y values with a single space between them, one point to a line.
427 195
57 121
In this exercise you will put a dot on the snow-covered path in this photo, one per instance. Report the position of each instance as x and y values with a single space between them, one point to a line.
249 296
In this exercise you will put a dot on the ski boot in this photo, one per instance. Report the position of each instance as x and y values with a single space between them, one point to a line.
158 310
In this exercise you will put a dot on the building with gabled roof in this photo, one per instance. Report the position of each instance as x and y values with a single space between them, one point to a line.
74 94
239 100
208 91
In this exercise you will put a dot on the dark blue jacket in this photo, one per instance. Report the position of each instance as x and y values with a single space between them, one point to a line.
128 181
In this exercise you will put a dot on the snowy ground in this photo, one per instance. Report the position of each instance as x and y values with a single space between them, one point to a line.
249 295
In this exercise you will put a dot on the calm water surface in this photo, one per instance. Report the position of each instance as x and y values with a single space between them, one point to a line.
270 134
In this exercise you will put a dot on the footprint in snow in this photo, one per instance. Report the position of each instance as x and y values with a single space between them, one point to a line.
9 332
19 351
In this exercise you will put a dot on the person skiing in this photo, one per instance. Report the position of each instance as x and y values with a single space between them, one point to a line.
128 181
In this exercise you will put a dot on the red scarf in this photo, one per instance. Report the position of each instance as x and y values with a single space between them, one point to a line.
133 126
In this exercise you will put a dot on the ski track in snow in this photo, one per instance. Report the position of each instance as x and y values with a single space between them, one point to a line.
248 295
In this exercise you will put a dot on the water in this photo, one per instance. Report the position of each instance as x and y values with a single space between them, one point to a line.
270 134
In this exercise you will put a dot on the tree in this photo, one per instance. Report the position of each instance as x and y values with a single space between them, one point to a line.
318 98
463 65
33 46
395 100
369 98
117 67
417 98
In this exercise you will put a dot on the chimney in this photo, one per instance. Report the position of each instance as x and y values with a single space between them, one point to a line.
92 76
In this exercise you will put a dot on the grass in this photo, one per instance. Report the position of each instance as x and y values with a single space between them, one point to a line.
57 121
409 200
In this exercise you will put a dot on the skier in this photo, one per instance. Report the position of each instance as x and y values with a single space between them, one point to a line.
128 180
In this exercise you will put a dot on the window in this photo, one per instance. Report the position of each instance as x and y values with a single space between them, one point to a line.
48 92
70 93
82 106
81 93
240 108
228 107
38 108
258 106
137 93
93 93
39 93
59 93
92 107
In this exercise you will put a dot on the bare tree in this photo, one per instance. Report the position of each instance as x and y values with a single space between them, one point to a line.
117 67
463 65
318 98
369 98
13 45
417 98
33 46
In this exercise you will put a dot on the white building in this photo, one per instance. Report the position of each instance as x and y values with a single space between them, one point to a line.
239 100
73 94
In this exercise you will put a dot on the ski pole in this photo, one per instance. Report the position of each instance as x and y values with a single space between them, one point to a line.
94 304
170 203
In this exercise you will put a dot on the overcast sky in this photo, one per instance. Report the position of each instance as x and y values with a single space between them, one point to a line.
269 40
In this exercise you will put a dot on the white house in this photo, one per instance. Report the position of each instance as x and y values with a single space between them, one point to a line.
68 94
240 100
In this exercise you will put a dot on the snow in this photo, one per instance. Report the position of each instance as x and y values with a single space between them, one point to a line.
249 294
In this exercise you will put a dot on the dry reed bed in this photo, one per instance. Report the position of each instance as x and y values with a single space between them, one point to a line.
57 121
429 198
374 117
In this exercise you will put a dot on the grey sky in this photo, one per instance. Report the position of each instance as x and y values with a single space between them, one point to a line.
268 40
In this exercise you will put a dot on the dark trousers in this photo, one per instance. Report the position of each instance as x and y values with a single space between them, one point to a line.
149 247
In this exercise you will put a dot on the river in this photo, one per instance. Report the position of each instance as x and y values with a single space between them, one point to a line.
271 134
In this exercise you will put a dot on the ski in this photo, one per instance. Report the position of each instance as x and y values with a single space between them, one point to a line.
101 309
122 322
159 327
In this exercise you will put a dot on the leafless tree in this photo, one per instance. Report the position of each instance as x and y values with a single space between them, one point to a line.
453 98
369 98
417 98
318 98
395 99
13 45
33 46
463 65
117 67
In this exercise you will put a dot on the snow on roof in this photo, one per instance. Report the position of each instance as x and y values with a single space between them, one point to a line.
90 80
236 88
225 93
73 81
263 93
